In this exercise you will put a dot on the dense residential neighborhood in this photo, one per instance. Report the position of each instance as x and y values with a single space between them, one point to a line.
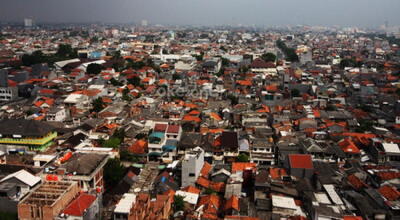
194 123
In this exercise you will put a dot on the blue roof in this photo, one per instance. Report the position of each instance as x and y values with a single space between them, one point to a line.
155 154
157 134
171 142
168 148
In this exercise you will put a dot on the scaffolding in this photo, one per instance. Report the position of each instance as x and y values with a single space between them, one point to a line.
48 193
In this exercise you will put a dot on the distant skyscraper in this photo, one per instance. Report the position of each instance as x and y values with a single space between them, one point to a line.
3 78
144 23
28 22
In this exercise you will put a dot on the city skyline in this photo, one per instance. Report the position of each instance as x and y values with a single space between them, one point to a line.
358 13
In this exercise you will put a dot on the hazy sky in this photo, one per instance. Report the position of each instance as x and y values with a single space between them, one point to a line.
208 12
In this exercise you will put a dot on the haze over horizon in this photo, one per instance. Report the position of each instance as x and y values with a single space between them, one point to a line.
363 13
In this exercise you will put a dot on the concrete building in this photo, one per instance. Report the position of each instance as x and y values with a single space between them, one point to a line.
21 134
191 166
14 187
86 169
28 22
48 200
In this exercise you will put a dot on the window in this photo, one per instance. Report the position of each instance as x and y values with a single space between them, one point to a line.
192 174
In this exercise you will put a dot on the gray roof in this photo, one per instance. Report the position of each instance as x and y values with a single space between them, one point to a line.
84 164
24 127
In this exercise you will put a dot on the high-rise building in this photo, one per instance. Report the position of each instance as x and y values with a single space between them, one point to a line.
144 23
28 22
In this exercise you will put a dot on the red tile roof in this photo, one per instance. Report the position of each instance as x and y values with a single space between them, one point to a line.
79 205
160 127
356 182
173 129
390 193
303 161
352 218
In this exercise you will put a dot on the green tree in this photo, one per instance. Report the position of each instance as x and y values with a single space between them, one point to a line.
225 62
127 156
179 203
125 95
115 82
8 216
113 142
295 93
65 50
290 53
34 58
135 81
98 105
268 57
209 191
365 125
243 158
176 76
234 99
113 172
94 68
120 134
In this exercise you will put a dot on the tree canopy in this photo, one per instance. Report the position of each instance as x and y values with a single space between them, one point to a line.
113 172
98 105
290 53
268 57
94 68
243 158
66 51
179 203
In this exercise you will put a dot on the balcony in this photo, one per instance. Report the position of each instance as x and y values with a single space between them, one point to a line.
29 141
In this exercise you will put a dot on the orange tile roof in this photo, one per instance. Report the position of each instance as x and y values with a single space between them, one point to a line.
241 166
233 217
317 113
192 189
211 203
194 112
303 161
205 170
277 173
204 182
139 147
264 109
106 100
191 118
271 88
39 118
349 146
244 82
232 203
215 116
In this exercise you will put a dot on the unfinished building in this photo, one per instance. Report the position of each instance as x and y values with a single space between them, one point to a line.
48 200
